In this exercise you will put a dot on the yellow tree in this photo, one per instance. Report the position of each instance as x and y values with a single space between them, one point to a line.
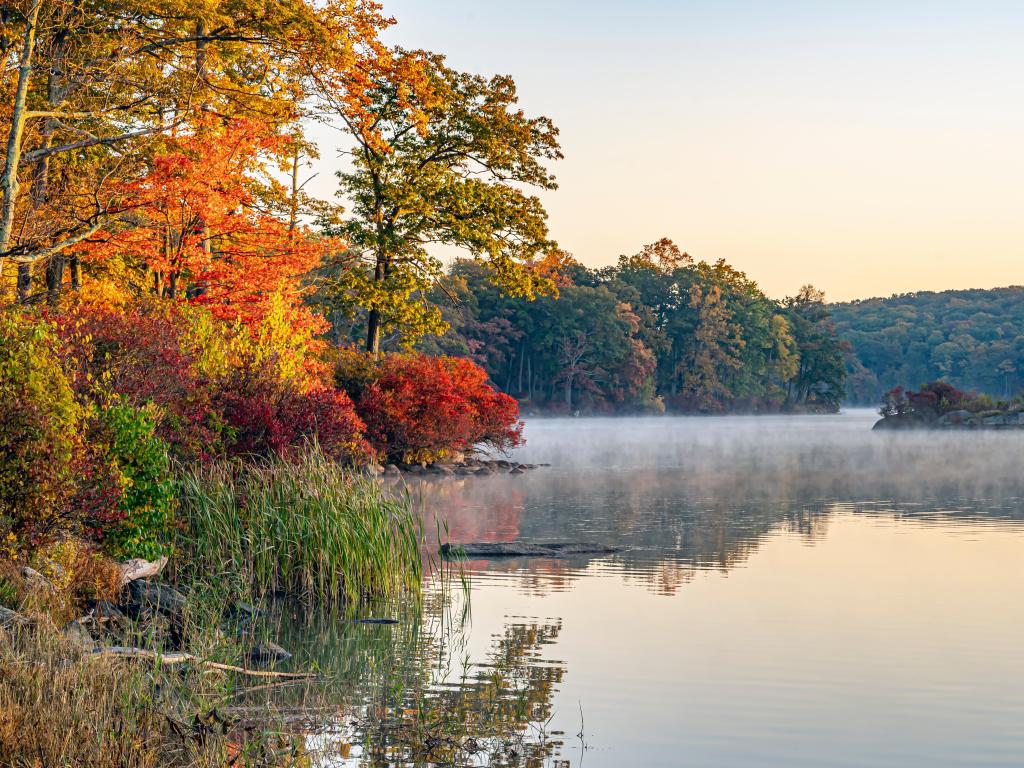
91 87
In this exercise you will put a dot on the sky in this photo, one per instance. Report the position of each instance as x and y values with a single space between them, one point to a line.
867 148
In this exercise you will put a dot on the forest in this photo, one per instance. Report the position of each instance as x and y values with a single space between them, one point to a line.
656 332
972 339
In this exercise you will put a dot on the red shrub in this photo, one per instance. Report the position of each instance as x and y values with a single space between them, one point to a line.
265 417
137 353
424 408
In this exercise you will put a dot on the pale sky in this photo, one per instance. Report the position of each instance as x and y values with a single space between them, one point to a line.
869 148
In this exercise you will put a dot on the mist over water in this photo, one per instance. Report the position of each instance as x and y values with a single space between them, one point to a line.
792 591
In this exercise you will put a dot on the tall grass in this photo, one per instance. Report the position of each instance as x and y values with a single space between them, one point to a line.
306 528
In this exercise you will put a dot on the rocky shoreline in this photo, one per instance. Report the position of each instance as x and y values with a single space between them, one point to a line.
148 617
954 420
464 468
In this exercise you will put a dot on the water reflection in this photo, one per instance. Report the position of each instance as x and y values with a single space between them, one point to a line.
683 495
792 592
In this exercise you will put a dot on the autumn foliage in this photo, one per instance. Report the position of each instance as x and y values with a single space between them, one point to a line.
425 408
194 220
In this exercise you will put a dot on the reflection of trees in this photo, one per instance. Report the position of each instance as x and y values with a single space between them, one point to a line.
402 694
495 712
707 498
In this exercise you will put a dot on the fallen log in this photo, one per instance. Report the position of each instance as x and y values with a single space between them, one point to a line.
137 568
179 657
525 549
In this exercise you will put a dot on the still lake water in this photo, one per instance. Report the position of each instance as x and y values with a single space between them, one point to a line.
792 591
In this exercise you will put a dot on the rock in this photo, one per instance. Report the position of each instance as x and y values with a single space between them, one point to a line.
376 621
392 470
10 619
505 464
517 471
137 568
78 635
484 470
525 549
266 653
105 612
35 581
1003 420
955 419
445 469
145 598
244 613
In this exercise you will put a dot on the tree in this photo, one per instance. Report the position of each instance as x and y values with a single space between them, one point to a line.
441 160
196 225
711 352
821 377
98 84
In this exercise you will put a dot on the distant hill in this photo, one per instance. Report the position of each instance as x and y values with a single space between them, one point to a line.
973 339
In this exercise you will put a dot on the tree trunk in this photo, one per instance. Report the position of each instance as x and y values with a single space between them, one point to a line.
373 333
374 320
293 206
76 274
54 278
522 353
24 282
9 180
568 393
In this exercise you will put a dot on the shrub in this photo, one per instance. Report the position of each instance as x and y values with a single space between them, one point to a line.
139 459
143 354
424 408
267 417
354 370
40 446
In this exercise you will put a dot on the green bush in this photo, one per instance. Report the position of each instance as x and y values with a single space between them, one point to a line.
40 446
140 460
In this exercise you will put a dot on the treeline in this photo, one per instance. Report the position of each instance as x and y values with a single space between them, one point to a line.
657 331
972 339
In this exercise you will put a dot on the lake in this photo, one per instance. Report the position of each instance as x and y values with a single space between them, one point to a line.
792 591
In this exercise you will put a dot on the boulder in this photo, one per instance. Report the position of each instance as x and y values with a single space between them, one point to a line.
392 470
36 582
517 471
145 598
10 619
76 633
1003 420
266 653
105 612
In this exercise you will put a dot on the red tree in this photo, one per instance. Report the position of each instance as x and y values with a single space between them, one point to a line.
201 221
425 408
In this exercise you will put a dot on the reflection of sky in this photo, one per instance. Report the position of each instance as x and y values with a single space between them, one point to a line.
773 608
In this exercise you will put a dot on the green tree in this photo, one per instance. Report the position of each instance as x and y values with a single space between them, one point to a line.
821 376
443 161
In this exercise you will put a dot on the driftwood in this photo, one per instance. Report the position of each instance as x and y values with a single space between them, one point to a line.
178 657
525 549
137 568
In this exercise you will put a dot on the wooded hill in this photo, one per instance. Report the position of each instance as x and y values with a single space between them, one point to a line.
974 339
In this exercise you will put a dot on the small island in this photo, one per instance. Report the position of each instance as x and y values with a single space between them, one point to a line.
939 405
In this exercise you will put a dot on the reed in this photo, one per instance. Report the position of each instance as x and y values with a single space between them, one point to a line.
306 528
